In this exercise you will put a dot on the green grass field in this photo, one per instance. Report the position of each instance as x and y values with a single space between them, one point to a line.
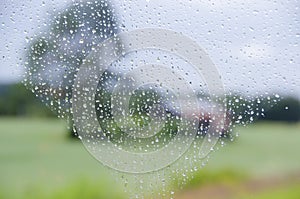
38 160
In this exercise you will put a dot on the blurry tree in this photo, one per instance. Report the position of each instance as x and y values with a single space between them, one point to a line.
56 54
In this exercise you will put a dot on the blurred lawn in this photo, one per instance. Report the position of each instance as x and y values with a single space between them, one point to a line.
262 149
37 160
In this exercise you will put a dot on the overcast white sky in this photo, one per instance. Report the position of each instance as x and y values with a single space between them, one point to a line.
254 44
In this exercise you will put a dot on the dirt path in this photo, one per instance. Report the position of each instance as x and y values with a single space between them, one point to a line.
230 191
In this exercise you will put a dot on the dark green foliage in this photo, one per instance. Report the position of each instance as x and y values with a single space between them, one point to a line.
287 109
275 108
16 100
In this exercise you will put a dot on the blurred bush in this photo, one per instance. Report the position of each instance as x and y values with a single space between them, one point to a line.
275 108
287 109
17 100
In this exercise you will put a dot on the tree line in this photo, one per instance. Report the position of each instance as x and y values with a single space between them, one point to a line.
17 100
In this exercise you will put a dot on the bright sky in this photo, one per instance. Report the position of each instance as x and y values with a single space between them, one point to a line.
254 44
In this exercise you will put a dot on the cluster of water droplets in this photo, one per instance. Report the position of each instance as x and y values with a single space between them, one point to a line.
144 111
